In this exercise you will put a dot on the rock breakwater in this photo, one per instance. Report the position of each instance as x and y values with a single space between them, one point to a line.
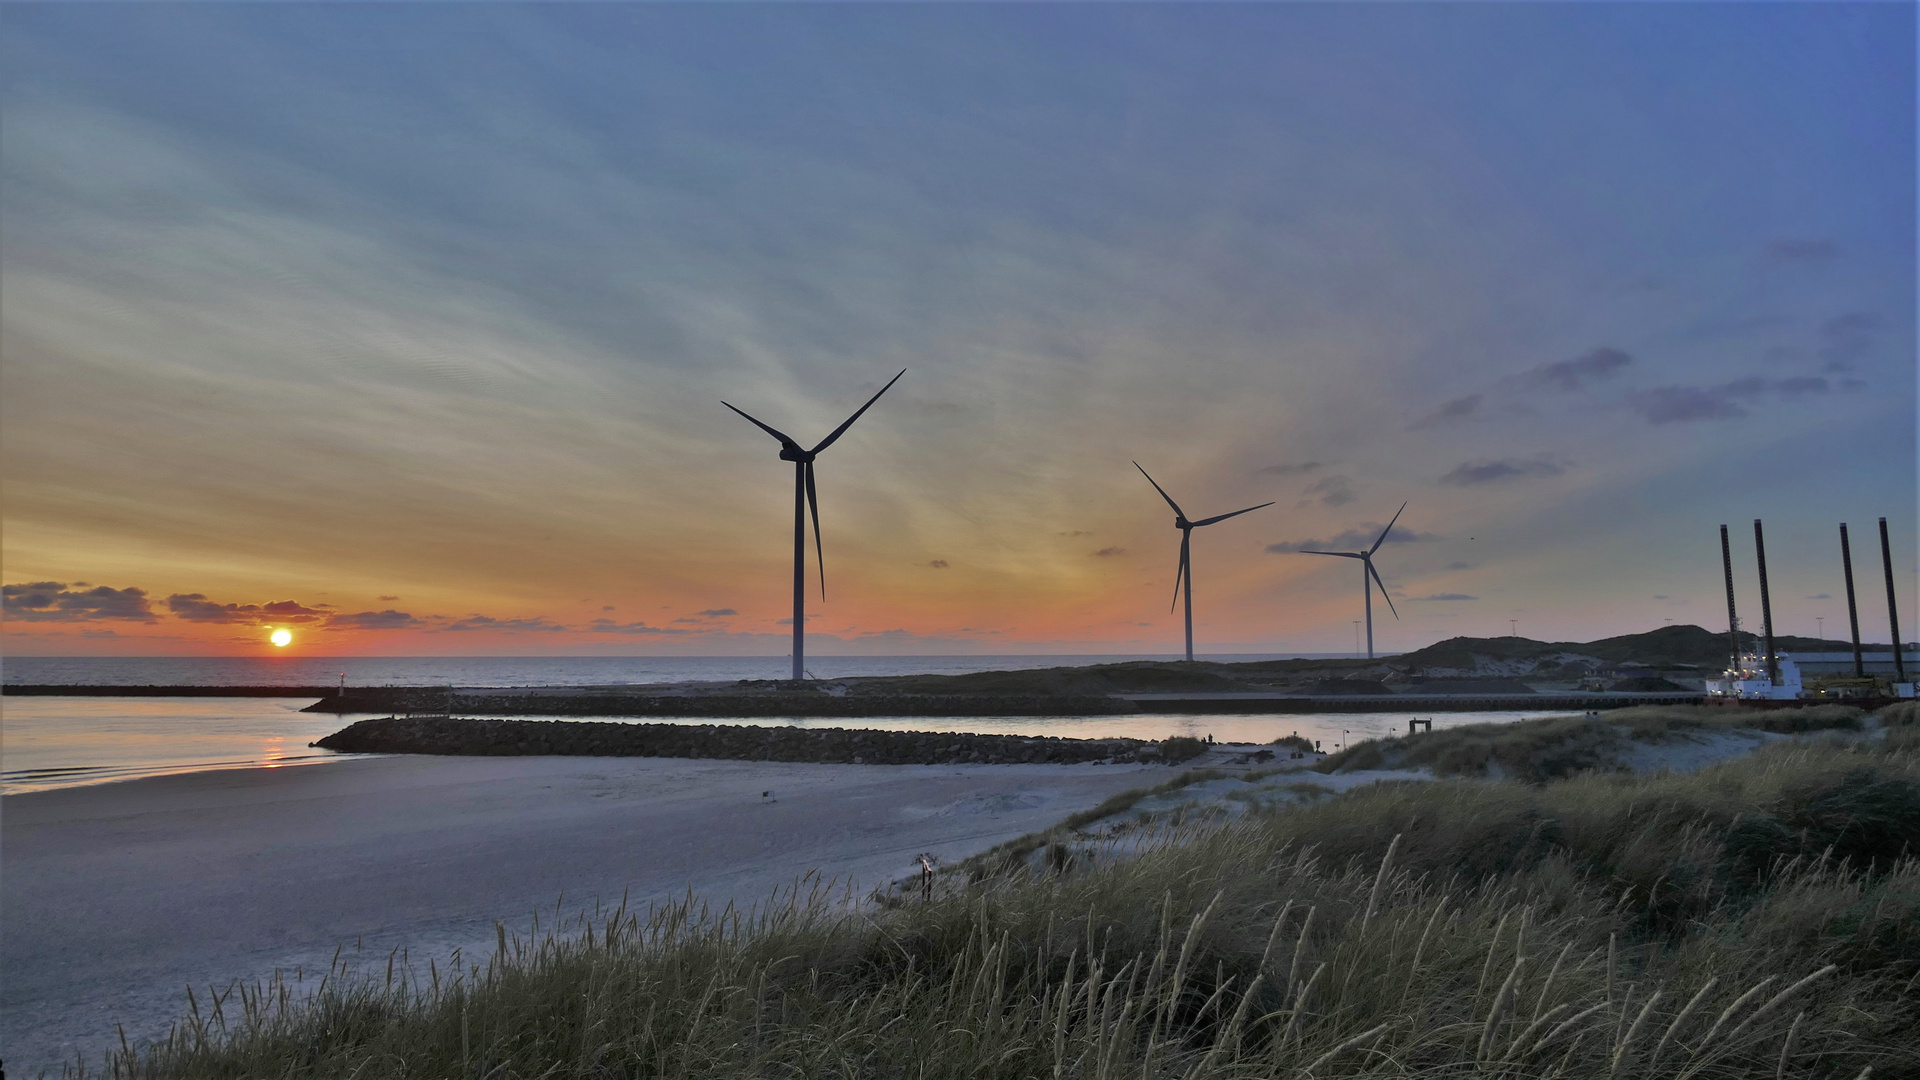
735 742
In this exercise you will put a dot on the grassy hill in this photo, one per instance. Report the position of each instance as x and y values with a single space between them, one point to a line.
1669 646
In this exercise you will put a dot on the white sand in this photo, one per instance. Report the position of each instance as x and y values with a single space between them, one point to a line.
114 898
1690 750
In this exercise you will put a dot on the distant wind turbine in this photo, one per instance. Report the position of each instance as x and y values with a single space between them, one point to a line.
1186 542
804 499
1368 575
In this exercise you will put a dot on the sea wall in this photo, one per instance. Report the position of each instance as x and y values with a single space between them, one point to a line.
735 742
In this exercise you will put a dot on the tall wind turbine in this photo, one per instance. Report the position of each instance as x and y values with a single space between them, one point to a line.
1368 575
1186 543
804 499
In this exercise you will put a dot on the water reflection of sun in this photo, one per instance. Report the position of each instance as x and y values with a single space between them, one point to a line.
281 638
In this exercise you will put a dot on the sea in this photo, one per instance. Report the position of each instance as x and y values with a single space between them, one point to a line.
524 670
49 742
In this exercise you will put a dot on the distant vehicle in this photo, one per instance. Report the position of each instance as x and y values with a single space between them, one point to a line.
1747 680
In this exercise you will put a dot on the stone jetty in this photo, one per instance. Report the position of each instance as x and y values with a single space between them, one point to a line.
736 742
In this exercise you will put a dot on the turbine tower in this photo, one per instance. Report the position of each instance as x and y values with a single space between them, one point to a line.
1186 546
1368 575
805 499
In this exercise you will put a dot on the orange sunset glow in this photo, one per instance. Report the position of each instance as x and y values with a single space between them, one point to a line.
492 370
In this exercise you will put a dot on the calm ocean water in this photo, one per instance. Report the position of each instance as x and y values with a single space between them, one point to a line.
55 742
509 670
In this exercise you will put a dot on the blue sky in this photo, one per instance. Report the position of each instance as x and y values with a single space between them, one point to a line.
327 304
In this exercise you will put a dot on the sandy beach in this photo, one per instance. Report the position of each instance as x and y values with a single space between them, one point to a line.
116 897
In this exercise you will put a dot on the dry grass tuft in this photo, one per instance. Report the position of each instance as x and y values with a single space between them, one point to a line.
1900 714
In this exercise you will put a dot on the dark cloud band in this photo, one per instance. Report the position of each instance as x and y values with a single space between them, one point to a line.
53 601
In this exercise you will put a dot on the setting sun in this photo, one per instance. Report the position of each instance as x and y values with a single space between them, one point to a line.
281 638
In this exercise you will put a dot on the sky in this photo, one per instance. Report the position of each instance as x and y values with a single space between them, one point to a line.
406 328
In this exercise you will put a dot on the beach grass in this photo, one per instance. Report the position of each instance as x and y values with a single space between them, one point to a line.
1758 919
1556 747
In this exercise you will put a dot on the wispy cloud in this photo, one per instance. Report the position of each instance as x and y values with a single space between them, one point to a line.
938 564
1354 539
1293 468
1109 552
1447 596
53 601
374 620
1332 491
1801 386
1568 375
1501 470
716 613
510 626
608 626
1683 404
1452 412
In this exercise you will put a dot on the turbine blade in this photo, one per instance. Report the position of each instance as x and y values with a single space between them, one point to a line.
1223 517
1341 554
842 429
1388 529
785 439
819 553
1161 490
1383 588
1182 572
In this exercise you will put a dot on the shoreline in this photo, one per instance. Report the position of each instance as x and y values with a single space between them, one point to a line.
118 895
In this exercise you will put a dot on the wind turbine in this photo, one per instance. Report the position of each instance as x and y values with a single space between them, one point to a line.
804 498
1186 539
1368 575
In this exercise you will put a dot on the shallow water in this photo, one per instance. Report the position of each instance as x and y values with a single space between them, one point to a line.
56 742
